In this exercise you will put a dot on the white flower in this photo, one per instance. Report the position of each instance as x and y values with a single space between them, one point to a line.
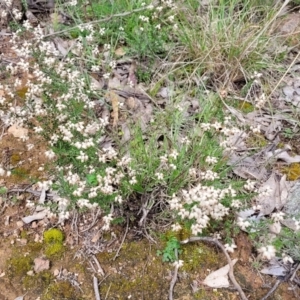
176 227
178 263
160 176
50 154
173 154
287 259
236 203
230 247
243 224
267 252
211 160
277 216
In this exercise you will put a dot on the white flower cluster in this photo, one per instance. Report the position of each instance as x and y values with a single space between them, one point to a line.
200 204
267 252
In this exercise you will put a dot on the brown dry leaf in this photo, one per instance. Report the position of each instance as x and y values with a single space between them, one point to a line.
114 83
56 18
17 131
2 93
114 99
41 264
96 237
132 80
289 24
96 84
120 51
219 278
125 133
283 155
279 190
132 103
247 167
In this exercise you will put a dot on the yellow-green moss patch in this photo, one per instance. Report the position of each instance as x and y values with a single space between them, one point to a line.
19 265
61 290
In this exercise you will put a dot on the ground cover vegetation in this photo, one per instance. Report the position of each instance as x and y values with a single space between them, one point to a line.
143 110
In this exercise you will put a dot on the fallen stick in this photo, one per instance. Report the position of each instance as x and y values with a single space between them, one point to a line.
174 278
231 275
96 290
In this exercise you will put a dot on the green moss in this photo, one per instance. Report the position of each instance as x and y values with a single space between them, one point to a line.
18 266
23 234
53 236
55 250
256 140
292 171
134 257
199 256
34 247
60 290
15 158
53 239
38 282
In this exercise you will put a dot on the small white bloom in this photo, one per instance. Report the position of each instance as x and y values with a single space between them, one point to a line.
243 224
176 227
287 259
50 154
160 176
178 263
267 252
277 216
230 247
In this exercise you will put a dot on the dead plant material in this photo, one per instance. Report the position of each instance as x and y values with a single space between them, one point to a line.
231 275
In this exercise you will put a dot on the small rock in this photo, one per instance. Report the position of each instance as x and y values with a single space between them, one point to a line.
7 219
41 264
23 241
30 273
288 91
56 272
34 225
20 224
65 272
36 238
297 91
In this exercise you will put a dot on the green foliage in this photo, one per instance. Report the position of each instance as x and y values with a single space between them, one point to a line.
3 190
168 253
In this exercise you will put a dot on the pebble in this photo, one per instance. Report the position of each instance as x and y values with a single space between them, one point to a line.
288 91
20 224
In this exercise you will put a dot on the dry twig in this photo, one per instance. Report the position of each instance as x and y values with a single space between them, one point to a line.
174 278
123 239
231 275
96 289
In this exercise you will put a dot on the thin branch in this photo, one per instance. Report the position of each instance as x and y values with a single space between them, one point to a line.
272 290
95 219
100 270
96 289
123 239
290 276
231 275
174 278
